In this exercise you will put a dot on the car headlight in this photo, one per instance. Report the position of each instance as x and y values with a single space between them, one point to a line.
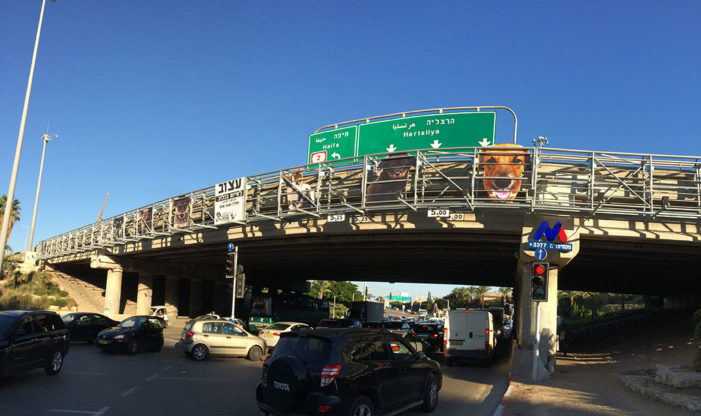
120 336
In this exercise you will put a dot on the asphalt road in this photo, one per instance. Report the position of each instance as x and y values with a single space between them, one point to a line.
163 383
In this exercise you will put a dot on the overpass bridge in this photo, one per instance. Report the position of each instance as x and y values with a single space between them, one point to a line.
632 220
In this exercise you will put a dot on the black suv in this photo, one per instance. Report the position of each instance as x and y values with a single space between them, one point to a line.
32 339
431 333
358 372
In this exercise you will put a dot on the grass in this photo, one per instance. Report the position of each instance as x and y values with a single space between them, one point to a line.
32 291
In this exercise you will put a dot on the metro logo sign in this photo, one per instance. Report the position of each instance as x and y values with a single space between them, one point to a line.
557 231
550 233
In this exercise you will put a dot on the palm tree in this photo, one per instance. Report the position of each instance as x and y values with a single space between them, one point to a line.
479 294
14 213
505 292
320 286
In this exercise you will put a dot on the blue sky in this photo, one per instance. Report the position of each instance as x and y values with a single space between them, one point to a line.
138 91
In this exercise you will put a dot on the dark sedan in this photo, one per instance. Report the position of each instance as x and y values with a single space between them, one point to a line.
132 335
85 326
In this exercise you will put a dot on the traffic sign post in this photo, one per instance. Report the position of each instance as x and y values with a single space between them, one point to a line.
332 144
540 254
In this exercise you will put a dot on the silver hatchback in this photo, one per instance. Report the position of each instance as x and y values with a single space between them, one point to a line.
202 338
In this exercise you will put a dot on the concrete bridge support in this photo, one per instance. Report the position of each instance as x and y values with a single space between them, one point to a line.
530 362
219 297
196 295
113 292
172 296
144 294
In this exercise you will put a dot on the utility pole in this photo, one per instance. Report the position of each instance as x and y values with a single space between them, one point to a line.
18 151
46 138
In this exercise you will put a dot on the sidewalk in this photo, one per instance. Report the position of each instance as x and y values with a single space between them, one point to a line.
583 384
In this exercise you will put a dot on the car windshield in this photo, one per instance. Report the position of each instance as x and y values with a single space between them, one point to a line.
278 327
131 322
425 329
68 318
6 323
312 350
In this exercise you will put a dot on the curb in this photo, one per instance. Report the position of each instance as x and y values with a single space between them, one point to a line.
502 404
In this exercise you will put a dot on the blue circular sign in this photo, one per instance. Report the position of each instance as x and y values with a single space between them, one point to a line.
230 247
541 254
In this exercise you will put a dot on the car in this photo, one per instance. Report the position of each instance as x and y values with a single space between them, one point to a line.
339 323
210 315
160 311
32 339
204 337
85 326
346 371
271 334
136 333
397 326
431 333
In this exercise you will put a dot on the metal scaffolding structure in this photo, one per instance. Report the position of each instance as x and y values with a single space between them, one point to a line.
554 181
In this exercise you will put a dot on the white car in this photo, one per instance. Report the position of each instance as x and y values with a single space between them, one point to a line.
204 337
271 334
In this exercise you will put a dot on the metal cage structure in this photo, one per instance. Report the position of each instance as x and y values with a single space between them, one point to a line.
552 181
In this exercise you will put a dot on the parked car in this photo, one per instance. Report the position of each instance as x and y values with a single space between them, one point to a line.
205 337
143 332
160 311
32 339
339 323
271 334
346 372
85 326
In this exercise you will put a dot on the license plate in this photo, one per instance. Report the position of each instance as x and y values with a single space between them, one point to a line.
455 342
269 335
103 341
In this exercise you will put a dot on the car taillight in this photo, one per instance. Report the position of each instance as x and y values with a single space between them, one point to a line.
265 360
435 335
190 334
329 373
261 332
277 334
323 408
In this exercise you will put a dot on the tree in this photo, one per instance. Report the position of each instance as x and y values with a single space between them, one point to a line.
318 288
343 291
14 213
479 292
505 292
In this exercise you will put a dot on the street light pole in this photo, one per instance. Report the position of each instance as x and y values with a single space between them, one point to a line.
20 139
46 138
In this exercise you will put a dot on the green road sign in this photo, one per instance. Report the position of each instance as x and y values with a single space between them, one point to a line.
332 144
437 131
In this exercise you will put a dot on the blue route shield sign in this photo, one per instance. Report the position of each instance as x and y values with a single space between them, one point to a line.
541 254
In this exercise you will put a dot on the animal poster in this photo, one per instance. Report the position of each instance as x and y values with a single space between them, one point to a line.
181 208
502 167
392 177
230 201
145 220
117 226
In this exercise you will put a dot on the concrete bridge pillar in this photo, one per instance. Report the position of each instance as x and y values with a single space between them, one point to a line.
524 357
144 294
172 295
196 294
113 292
113 285
219 298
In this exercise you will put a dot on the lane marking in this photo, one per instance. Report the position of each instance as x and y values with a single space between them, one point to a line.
102 411
167 368
82 412
194 379
152 377
85 373
128 392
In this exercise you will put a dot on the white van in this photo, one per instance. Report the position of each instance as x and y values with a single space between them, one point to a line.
468 334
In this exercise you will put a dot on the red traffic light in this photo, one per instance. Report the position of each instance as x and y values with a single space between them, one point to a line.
538 269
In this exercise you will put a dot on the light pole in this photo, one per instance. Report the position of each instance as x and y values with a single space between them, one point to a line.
46 138
20 139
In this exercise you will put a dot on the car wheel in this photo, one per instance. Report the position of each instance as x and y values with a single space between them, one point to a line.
255 353
132 347
430 395
55 363
362 406
199 352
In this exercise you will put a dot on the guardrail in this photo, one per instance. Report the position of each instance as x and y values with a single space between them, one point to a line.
557 181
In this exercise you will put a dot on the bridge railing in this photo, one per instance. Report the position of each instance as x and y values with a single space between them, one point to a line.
557 181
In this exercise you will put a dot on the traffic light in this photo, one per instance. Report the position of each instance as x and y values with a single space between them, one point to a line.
539 281
229 267
240 284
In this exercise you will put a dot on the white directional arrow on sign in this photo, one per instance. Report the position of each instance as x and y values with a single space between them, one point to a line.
484 142
435 144
335 155
391 148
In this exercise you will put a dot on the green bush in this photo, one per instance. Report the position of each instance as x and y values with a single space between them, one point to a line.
58 302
